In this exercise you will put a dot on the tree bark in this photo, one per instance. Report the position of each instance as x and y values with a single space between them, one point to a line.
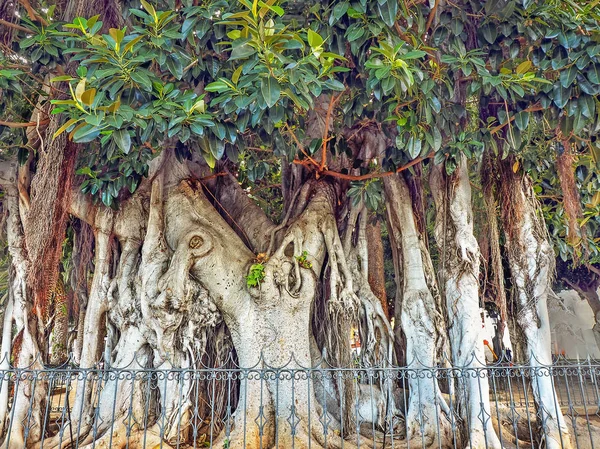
25 422
459 275
531 259
5 358
376 264
60 328
427 417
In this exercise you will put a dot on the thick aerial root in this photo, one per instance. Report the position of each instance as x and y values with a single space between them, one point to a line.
427 427
241 437
120 438
300 438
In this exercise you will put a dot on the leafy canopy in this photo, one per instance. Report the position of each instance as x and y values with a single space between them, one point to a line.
237 81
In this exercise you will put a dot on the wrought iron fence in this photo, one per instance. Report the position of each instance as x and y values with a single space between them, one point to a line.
294 407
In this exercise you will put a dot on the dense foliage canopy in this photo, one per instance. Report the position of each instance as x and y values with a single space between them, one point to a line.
234 81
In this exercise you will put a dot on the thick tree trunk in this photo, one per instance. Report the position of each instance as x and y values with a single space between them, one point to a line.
255 318
420 318
25 421
531 259
168 268
192 263
460 278
98 305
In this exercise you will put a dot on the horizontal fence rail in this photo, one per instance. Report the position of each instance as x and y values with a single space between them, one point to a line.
292 407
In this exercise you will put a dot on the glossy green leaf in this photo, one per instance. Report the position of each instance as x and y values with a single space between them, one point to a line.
86 133
122 139
271 91
593 74
567 76
388 11
314 39
522 120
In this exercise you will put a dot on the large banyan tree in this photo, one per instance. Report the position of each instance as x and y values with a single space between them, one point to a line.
187 180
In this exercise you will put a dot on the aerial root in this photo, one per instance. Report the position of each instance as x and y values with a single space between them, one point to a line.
120 438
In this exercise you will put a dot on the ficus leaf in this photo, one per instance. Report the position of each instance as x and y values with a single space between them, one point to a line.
270 90
122 139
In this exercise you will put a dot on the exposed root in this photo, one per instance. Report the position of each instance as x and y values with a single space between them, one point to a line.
341 292
303 193
121 437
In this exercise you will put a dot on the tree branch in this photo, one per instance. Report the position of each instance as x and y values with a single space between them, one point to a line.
32 13
15 26
431 15
332 103
593 269
242 212
335 174
534 108
23 124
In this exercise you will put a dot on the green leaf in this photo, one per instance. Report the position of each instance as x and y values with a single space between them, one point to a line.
142 79
523 67
122 139
217 148
299 102
61 78
86 171
86 133
568 75
236 74
594 74
107 198
28 42
217 86
241 52
80 89
456 26
219 130
414 54
489 33
338 12
587 105
148 7
88 96
64 127
414 147
437 139
175 66
354 32
561 95
522 120
314 39
388 11
334 85
276 9
270 90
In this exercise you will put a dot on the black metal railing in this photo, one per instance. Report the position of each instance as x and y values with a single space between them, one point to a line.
292 406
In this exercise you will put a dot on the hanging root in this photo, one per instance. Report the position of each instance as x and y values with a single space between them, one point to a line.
571 202
303 194
341 293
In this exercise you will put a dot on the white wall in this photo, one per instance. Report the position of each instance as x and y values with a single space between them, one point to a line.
572 320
